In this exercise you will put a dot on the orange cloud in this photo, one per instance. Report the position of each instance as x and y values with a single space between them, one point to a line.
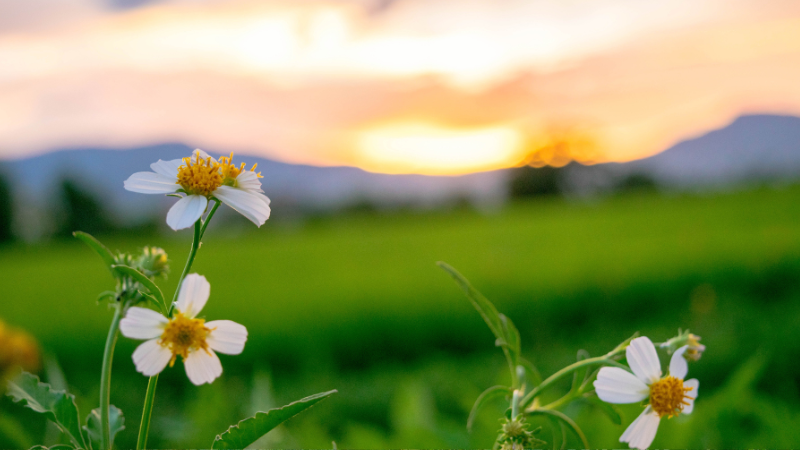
440 88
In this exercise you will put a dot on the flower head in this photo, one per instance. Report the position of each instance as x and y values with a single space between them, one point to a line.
184 335
668 396
198 179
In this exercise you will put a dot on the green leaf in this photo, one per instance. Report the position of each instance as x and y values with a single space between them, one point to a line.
58 406
489 394
485 308
249 430
143 280
566 420
98 247
512 338
93 427
611 411
155 301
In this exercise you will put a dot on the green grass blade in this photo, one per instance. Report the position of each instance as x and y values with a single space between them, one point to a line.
116 422
98 247
58 406
143 280
249 430
489 394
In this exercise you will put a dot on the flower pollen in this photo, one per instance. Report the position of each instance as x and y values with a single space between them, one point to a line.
183 335
668 396
230 171
199 177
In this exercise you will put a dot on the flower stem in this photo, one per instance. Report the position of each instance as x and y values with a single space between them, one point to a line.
605 360
199 231
144 429
105 377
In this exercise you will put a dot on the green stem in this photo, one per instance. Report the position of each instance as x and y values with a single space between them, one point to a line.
605 359
144 429
199 231
105 377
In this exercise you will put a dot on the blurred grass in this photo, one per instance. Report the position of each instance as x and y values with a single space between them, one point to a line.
356 303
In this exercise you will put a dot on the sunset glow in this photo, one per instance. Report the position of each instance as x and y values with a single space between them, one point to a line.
307 81
437 150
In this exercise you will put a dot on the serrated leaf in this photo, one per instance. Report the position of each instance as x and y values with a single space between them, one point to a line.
116 423
98 247
249 430
489 394
58 406
611 411
143 280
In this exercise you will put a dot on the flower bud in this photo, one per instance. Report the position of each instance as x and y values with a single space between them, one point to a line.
695 350
153 262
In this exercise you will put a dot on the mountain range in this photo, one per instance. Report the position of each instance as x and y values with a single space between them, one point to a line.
753 148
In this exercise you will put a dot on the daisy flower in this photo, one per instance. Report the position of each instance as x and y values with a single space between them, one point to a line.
195 340
198 179
668 396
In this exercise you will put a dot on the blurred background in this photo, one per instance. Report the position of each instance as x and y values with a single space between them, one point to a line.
594 167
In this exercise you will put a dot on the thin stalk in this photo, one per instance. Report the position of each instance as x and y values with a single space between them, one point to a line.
605 359
105 377
144 429
199 230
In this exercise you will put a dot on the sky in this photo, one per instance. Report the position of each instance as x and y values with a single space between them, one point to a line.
439 87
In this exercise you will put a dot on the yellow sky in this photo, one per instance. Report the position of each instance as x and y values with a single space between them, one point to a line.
410 86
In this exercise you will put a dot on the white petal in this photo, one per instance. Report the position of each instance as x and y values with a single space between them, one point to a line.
202 367
226 336
193 295
186 211
167 168
642 431
249 181
614 385
249 204
142 323
643 359
151 357
677 365
695 385
151 183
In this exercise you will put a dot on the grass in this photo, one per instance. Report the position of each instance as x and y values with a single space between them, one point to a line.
356 303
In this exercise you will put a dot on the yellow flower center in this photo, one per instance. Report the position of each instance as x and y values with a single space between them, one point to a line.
229 171
668 396
183 335
199 177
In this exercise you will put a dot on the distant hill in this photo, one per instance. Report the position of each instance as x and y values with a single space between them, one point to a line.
753 149
297 188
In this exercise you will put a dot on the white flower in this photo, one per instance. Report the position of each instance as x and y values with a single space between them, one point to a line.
184 334
669 396
201 177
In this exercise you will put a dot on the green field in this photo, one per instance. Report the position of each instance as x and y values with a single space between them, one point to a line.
356 303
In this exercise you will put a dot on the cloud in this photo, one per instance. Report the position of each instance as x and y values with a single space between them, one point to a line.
312 81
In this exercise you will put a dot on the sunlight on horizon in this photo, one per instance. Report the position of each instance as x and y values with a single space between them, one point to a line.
436 150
